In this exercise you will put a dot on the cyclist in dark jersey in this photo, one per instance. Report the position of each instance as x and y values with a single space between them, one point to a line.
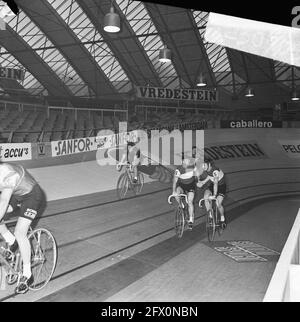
19 189
133 157
216 186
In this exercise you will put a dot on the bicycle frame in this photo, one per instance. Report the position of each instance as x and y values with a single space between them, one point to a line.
213 221
13 269
129 177
181 213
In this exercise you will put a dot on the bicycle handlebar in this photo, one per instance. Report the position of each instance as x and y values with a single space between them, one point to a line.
209 198
124 163
119 166
174 196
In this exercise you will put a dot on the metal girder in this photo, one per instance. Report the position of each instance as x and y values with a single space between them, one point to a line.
15 45
48 20
185 43
133 58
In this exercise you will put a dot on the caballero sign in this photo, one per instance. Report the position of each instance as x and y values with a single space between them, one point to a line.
208 96
250 124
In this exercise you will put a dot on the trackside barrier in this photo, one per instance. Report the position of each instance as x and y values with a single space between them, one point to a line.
285 282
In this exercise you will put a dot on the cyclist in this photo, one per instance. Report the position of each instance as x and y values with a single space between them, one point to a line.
185 182
215 178
133 156
19 189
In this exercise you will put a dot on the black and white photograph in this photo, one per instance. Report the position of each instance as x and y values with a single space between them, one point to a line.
149 155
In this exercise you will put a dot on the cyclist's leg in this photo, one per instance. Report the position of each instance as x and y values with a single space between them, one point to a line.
179 191
32 206
135 163
191 195
220 207
207 194
21 231
220 198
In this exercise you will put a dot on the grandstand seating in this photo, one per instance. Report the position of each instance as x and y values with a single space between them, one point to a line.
40 124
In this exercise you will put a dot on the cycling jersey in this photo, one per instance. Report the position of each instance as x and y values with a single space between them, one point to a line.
27 194
186 175
17 178
132 153
213 173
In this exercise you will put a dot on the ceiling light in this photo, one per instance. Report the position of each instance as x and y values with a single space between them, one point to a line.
249 92
295 96
201 81
112 21
165 55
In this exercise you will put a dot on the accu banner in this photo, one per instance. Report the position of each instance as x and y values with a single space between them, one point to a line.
15 152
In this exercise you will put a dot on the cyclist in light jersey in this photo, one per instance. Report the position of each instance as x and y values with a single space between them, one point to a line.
19 189
185 182
216 187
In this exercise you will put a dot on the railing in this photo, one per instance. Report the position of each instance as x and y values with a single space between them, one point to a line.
112 112
10 105
43 136
197 125
285 282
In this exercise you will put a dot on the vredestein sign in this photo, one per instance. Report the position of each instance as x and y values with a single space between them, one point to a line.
147 92
12 73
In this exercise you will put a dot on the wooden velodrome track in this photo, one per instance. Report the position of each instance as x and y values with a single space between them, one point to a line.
112 250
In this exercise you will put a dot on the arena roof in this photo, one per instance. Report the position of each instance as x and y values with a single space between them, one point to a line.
64 51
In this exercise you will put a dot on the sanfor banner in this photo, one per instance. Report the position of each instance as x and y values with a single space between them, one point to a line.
73 146
67 147
15 152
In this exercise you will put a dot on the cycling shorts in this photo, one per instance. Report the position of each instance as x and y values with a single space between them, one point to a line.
30 205
221 189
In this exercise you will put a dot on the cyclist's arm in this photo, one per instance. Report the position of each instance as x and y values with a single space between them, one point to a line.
175 179
123 158
4 200
216 182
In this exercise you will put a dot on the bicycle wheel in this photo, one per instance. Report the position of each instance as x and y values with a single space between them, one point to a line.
122 186
139 185
179 222
43 257
210 226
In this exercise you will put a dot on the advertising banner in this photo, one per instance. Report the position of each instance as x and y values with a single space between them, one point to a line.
208 96
291 148
15 152
253 124
235 151
80 145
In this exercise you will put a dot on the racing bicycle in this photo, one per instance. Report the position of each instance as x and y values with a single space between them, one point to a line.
125 182
213 223
43 259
